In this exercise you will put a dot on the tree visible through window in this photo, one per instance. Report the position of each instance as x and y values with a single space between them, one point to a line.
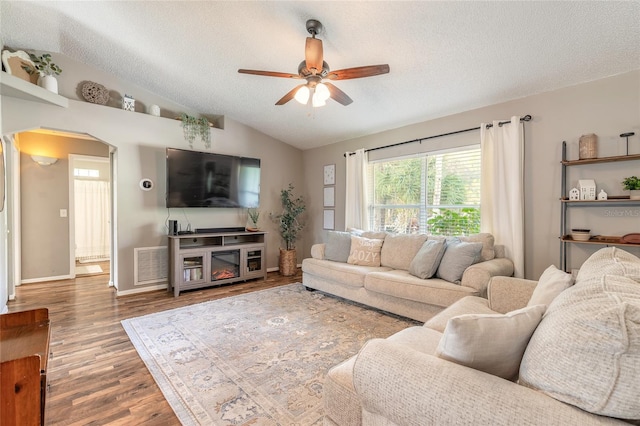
432 193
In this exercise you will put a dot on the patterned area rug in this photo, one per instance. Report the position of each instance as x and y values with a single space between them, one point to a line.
254 359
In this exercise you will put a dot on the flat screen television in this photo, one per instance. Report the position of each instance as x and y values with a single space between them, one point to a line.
203 179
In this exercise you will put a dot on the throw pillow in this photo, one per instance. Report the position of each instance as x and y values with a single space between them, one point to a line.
488 242
586 350
552 282
457 257
493 343
425 263
365 251
609 261
399 250
337 246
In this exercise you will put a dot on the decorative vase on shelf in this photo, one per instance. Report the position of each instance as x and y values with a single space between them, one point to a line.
634 194
48 82
588 146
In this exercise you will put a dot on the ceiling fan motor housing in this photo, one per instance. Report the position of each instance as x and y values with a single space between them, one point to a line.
314 27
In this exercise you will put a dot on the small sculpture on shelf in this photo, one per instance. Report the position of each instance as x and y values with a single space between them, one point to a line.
587 189
574 194
602 195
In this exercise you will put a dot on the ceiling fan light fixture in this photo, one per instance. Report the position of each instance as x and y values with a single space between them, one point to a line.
322 91
302 95
317 101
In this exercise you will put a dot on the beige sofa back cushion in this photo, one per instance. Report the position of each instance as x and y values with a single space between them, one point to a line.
586 350
488 242
399 250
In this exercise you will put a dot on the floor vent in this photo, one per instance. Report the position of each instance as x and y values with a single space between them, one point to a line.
150 265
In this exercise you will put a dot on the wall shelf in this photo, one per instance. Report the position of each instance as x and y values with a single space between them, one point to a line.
15 87
565 203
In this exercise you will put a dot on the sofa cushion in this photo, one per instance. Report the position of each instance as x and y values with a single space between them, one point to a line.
425 263
399 250
493 343
552 282
341 273
418 338
487 241
586 350
338 246
364 251
609 261
457 257
402 284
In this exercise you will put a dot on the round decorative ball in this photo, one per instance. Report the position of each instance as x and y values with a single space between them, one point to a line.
95 93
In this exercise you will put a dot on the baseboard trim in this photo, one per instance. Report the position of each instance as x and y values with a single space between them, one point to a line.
141 290
43 279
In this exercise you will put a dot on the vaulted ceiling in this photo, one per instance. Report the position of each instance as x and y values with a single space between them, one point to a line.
445 57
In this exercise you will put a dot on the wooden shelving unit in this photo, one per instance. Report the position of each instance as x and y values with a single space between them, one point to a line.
565 203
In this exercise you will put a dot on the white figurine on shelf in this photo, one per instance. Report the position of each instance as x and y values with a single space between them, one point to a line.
602 195
574 194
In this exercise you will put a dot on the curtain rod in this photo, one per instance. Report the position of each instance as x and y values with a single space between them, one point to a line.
525 118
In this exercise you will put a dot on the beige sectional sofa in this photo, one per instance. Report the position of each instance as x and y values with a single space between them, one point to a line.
578 357
395 284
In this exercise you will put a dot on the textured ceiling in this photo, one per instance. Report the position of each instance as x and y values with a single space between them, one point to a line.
445 57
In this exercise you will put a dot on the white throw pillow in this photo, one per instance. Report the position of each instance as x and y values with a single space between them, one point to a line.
586 351
552 282
365 251
493 343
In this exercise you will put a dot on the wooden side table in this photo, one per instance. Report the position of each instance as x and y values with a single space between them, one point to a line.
24 353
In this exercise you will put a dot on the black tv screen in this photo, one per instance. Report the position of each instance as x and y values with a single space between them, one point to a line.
203 179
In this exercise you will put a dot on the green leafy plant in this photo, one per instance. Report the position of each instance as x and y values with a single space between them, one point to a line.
194 128
289 220
451 222
631 183
44 65
254 215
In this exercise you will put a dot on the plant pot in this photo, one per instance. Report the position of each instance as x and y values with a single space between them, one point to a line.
48 82
287 264
634 194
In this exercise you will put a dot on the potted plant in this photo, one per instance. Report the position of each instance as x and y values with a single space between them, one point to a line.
289 227
632 184
253 214
48 70
193 128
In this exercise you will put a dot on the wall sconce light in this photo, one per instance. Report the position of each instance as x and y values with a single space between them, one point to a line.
44 161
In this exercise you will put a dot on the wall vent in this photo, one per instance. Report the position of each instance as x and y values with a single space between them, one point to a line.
150 265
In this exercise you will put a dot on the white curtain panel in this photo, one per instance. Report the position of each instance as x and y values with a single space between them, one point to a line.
355 215
92 219
502 193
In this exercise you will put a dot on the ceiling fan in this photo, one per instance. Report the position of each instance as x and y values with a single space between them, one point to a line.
316 71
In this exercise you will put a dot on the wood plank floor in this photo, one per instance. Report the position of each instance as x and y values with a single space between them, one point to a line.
95 375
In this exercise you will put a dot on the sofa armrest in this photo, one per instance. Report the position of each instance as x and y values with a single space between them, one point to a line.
317 251
506 294
477 276
404 387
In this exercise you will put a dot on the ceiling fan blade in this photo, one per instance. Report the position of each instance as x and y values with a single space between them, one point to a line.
358 72
269 73
313 54
286 98
338 95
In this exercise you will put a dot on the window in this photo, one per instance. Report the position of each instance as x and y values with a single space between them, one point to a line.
433 193
86 173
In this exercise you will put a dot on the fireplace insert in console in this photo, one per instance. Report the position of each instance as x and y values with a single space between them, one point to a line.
225 265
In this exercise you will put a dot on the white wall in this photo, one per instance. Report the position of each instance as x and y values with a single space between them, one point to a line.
607 107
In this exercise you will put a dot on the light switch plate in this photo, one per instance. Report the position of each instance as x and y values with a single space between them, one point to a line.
63 212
